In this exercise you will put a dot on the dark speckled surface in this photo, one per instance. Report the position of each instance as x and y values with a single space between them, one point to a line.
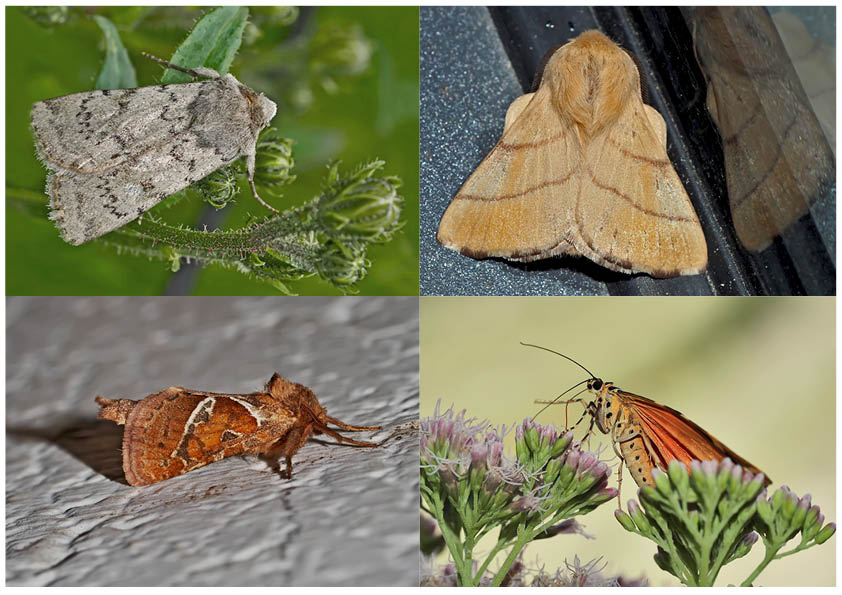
462 107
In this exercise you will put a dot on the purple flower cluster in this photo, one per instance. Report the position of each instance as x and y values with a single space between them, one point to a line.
461 451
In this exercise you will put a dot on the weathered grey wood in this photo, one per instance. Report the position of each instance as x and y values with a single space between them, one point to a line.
348 517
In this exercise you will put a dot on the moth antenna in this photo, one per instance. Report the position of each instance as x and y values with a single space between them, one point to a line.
562 355
319 424
350 428
334 434
191 72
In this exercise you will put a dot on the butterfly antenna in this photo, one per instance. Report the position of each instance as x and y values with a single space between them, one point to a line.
562 355
554 401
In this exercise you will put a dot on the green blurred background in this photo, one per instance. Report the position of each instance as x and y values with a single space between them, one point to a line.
758 373
370 114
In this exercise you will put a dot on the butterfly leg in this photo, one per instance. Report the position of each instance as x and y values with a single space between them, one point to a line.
581 417
591 408
620 485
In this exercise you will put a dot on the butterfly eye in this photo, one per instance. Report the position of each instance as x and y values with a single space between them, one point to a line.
596 384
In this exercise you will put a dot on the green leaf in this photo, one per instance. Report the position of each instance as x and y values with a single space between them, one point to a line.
212 43
117 70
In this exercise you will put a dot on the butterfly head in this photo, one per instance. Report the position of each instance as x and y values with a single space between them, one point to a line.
599 385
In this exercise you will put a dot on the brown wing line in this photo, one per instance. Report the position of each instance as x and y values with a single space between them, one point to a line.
634 204
636 157
531 189
738 201
694 443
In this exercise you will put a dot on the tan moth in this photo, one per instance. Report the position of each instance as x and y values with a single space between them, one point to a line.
581 169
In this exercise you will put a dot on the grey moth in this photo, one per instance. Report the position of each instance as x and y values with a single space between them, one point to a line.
113 154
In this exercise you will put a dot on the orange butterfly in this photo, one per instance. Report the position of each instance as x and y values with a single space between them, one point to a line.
648 434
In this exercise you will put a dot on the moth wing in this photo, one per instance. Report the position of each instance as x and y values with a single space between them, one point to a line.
87 206
98 130
514 205
177 430
777 161
633 214
673 436
94 190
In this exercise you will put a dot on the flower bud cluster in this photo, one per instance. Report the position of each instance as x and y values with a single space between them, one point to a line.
784 515
464 462
714 514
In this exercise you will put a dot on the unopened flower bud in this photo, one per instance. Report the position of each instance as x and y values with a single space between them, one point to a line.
362 207
219 188
273 161
343 264
826 533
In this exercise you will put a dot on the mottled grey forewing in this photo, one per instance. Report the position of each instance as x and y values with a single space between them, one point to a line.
115 154
89 132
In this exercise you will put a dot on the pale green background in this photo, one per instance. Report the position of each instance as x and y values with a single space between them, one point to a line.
758 373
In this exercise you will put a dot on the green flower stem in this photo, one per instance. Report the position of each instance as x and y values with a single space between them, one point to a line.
290 246
772 549
770 555
451 539
713 514
466 570
524 536
522 539
491 555
275 233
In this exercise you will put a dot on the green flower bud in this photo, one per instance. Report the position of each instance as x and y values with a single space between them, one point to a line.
531 438
778 498
625 520
364 209
678 475
744 546
798 517
339 50
638 517
826 533
47 15
343 264
764 510
789 506
662 482
702 476
273 161
812 517
219 188
275 15
561 444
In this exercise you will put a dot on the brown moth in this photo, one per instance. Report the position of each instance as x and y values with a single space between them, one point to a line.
177 430
581 169
777 159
